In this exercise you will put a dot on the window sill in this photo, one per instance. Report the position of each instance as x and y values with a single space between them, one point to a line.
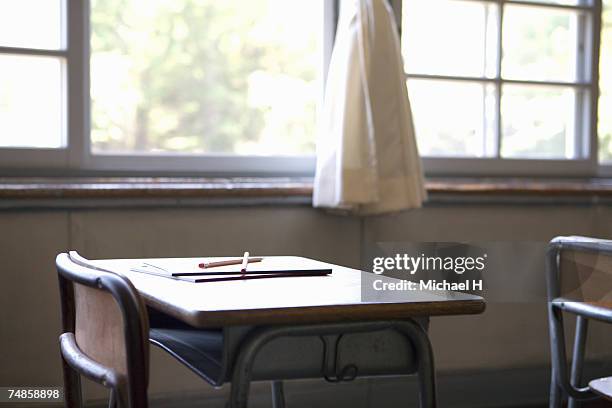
99 192
78 188
522 187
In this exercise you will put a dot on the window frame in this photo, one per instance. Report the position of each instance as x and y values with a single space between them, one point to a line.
15 157
209 164
74 46
77 159
586 163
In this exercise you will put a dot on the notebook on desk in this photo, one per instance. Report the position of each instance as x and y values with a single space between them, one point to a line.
272 267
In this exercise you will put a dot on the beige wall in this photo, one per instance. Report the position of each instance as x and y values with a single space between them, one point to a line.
508 335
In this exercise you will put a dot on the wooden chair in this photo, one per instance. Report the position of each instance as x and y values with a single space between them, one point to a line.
104 333
107 329
579 281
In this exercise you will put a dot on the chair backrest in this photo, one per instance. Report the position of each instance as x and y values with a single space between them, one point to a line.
579 281
108 319
580 269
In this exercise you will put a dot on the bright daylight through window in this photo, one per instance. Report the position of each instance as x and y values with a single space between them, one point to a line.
605 85
32 84
506 80
487 79
193 76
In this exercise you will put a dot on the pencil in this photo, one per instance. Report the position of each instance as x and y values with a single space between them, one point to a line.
245 262
237 261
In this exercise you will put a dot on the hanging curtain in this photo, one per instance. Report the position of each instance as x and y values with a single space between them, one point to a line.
367 157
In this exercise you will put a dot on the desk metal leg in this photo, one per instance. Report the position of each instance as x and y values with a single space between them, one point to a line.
243 366
426 372
278 394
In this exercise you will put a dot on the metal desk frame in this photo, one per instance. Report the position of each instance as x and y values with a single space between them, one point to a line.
243 367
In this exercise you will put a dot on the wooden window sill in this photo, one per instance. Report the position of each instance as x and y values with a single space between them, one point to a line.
128 188
203 188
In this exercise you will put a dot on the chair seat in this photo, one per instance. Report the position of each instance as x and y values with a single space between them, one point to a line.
200 350
602 386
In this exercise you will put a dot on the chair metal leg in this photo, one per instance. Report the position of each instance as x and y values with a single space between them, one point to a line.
112 401
278 394
555 397
72 386
559 358
122 397
582 324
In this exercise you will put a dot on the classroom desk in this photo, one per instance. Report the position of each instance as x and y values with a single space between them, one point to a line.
305 327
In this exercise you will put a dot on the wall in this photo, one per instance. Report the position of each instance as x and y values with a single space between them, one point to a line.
508 336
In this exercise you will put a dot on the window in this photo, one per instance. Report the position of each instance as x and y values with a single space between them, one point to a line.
192 86
32 76
205 77
503 86
162 85
605 86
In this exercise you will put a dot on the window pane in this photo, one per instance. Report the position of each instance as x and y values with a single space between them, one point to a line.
31 23
539 44
449 37
206 76
31 102
605 85
452 119
538 122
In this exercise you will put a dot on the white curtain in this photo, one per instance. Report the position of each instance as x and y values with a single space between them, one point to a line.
367 157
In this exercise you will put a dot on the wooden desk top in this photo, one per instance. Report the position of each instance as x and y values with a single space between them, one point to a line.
291 300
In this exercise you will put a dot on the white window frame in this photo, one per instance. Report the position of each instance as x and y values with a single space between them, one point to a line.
586 163
34 159
77 159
